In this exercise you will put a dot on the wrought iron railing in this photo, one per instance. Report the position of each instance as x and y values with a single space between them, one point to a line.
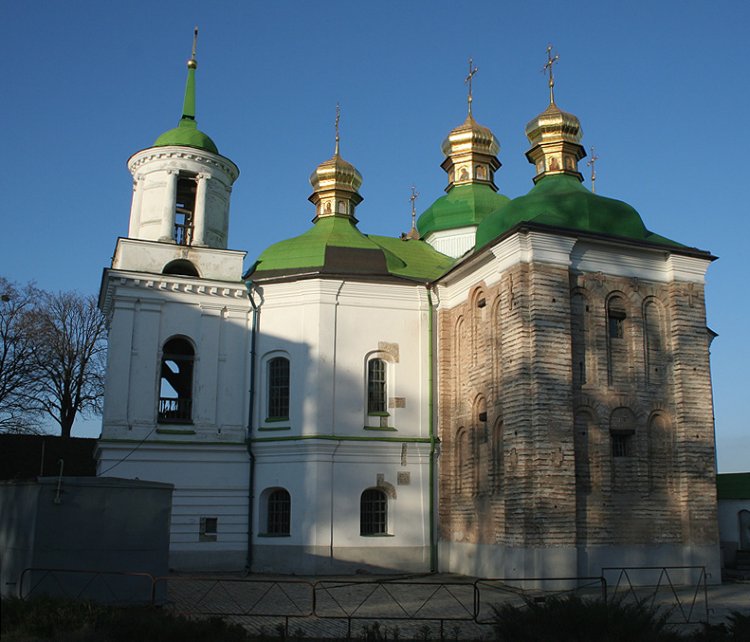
173 410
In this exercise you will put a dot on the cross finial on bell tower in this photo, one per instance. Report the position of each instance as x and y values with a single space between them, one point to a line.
467 81
551 60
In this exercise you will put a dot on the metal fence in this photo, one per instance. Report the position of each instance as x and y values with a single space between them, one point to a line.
428 602
681 589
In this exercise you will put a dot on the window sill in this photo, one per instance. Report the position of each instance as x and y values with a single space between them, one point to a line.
174 422
274 535
272 420
381 428
378 414
376 535
174 431
274 428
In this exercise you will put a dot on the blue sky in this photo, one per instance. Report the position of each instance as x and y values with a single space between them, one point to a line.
661 89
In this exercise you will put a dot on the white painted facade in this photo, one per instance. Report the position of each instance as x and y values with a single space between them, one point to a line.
227 457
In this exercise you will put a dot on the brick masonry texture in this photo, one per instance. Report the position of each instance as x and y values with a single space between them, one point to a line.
576 409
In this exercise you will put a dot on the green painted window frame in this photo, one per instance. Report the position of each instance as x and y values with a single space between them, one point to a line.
377 384
277 409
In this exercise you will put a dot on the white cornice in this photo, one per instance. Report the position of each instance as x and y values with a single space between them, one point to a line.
648 264
582 256
175 152
487 267
153 287
342 292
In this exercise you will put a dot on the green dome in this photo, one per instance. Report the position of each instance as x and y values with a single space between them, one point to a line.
562 201
187 134
464 205
334 245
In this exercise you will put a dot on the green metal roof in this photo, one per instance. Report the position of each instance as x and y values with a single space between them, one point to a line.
464 205
334 244
415 259
733 485
562 201
187 134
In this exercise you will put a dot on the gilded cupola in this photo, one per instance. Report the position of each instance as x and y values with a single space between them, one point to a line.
470 149
555 136
335 184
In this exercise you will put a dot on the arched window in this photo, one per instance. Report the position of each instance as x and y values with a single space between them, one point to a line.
498 453
461 460
185 209
278 512
578 322
180 266
373 512
278 388
617 342
622 432
176 382
376 386
654 341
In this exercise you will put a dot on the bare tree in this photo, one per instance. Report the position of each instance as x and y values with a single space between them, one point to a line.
69 354
18 372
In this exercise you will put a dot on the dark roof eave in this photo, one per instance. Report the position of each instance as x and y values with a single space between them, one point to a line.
286 276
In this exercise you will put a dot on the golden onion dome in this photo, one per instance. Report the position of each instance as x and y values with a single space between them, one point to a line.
336 174
471 136
554 124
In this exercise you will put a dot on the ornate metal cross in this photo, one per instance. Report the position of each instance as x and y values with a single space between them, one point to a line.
592 164
338 118
467 81
551 60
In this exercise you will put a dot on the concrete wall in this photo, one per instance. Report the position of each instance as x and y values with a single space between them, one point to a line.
84 523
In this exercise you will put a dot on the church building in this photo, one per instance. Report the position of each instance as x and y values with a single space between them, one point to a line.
518 387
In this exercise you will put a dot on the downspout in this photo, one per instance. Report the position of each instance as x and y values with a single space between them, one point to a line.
333 416
433 440
250 414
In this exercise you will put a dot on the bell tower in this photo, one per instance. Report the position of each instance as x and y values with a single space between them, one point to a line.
181 188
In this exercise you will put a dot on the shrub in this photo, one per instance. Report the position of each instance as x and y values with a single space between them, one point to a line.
571 619
63 620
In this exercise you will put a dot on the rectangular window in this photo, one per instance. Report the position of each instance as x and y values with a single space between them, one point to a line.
373 512
620 444
278 388
616 321
376 386
184 210
209 529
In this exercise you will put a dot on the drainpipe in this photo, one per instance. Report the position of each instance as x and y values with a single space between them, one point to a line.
250 413
433 439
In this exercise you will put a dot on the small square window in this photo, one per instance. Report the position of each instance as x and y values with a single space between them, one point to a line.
209 529
621 444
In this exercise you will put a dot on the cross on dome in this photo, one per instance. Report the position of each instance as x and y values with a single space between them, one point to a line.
548 69
336 125
467 81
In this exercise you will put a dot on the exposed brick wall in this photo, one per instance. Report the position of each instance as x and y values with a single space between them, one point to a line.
541 374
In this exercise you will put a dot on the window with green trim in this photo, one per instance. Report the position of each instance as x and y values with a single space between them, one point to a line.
376 386
279 512
278 388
